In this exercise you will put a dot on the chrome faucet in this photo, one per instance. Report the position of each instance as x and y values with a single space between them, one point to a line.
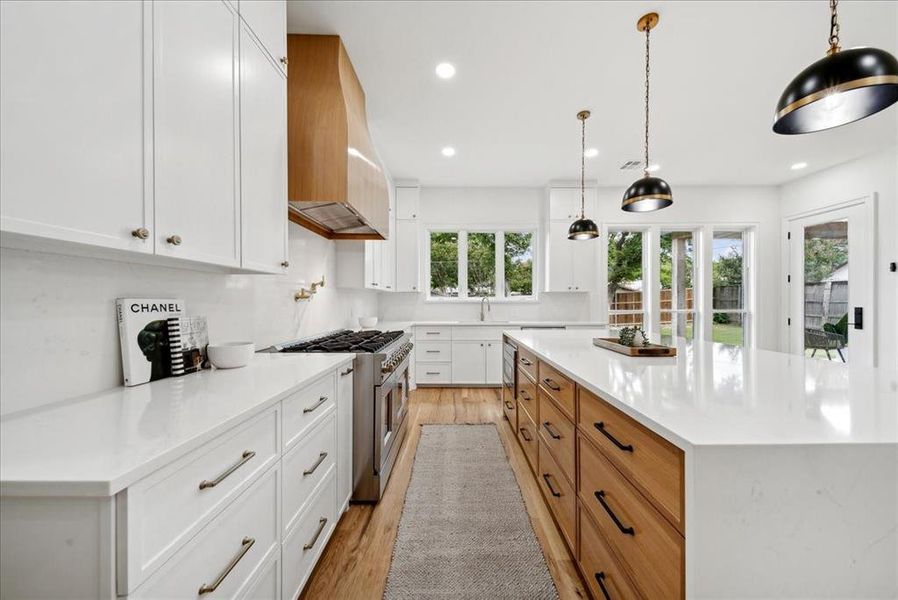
488 308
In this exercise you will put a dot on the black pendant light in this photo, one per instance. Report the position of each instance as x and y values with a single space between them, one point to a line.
649 193
842 87
583 228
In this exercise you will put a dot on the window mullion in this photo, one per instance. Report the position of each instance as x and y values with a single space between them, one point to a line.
463 264
499 292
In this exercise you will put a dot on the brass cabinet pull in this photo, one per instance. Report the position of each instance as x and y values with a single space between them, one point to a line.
346 372
174 240
246 544
284 61
432 373
509 405
625 447
548 427
141 233
285 264
432 351
431 333
245 458
317 464
546 477
525 435
552 385
321 523
309 409
526 362
600 578
600 496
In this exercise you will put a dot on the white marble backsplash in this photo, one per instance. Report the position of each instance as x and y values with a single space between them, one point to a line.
59 336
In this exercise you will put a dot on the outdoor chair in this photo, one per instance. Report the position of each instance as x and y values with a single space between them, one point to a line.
817 339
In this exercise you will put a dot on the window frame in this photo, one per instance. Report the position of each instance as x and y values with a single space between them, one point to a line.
747 283
644 231
499 231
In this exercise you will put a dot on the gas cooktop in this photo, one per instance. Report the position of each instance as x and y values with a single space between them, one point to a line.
347 341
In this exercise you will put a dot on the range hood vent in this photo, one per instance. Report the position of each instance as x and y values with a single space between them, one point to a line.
337 187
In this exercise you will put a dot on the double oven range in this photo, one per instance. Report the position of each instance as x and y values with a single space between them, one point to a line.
380 400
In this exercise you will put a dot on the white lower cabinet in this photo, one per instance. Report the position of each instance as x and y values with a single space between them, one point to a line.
459 355
494 363
304 543
267 585
468 362
344 437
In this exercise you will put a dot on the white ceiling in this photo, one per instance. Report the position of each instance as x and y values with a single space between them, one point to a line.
524 69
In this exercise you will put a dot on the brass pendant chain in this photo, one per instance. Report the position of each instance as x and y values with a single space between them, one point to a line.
583 168
833 27
647 31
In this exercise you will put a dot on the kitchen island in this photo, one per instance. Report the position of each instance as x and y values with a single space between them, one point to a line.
722 472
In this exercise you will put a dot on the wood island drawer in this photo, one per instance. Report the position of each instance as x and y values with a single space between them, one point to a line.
510 408
527 395
558 434
427 351
559 387
529 438
433 334
559 495
527 362
160 513
307 465
225 554
604 575
651 463
651 549
307 407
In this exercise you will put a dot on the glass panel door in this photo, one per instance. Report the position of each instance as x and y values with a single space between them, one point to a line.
826 290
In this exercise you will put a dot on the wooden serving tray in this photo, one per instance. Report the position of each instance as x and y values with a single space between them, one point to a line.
650 350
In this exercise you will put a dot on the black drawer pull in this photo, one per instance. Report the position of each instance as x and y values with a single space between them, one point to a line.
526 362
600 496
548 427
601 427
525 435
509 405
525 395
600 579
317 464
552 385
549 485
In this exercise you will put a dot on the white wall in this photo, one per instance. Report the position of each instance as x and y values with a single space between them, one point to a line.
59 333
875 173
469 207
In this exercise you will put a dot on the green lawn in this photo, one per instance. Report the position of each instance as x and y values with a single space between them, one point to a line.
723 333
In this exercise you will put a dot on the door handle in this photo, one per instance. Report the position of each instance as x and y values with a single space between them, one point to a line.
858 317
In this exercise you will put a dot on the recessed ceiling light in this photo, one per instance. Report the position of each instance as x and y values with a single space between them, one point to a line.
445 70
799 165
448 151
653 168
591 152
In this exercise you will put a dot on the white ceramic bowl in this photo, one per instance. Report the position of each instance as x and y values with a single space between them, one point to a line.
231 355
367 322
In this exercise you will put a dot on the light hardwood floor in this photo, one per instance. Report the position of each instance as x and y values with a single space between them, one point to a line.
356 561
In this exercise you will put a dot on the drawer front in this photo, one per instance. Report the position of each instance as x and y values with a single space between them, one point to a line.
559 435
604 575
433 373
306 466
307 407
651 463
303 545
427 351
433 334
649 546
477 333
527 362
527 395
529 439
168 507
510 408
227 553
559 387
268 585
559 495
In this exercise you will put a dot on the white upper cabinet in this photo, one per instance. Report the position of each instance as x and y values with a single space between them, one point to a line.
263 159
268 20
560 258
196 120
564 204
72 128
407 259
388 262
407 202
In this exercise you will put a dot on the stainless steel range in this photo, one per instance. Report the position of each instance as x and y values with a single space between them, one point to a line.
380 400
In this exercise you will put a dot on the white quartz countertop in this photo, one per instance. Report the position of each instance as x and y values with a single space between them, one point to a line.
714 395
99 444
488 323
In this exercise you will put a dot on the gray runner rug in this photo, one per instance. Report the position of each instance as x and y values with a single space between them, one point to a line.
465 532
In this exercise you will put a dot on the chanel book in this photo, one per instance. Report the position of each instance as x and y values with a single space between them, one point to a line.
149 330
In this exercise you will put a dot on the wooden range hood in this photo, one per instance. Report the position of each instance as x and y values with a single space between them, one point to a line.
336 185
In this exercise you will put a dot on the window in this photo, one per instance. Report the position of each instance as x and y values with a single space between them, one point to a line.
482 264
625 268
728 287
677 284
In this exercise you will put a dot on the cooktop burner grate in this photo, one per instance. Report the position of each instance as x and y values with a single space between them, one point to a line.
348 341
